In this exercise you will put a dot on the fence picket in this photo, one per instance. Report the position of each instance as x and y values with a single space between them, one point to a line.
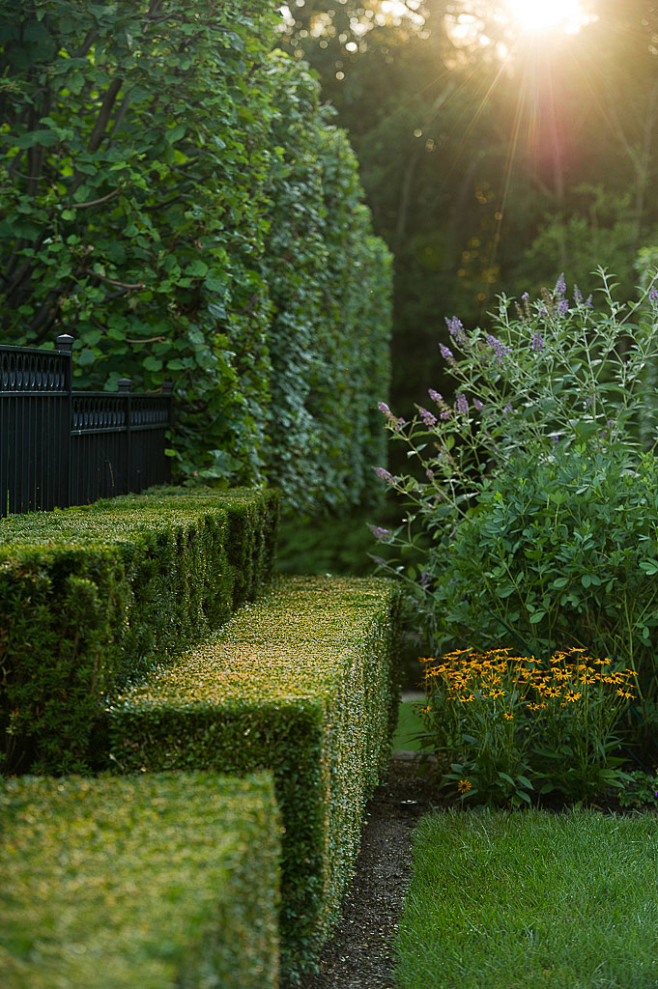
60 447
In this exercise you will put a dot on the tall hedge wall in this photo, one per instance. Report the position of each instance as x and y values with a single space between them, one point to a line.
173 195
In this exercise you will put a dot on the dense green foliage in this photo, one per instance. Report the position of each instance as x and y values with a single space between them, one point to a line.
172 194
560 551
146 881
329 283
531 505
94 596
303 683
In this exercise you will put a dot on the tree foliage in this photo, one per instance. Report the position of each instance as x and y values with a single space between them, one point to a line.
492 162
156 202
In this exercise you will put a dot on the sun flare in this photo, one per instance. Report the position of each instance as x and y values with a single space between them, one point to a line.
542 16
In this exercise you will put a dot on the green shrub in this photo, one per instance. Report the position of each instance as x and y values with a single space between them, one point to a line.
155 881
94 596
560 550
531 505
330 285
302 683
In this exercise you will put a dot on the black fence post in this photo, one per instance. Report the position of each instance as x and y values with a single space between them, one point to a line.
63 471
128 469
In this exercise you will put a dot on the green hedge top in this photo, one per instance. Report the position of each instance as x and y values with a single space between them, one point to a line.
157 882
287 647
118 520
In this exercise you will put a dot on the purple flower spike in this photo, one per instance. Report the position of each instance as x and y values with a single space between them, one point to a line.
435 396
537 342
385 475
500 350
477 405
560 286
446 353
653 294
456 329
380 534
383 407
577 296
462 404
428 417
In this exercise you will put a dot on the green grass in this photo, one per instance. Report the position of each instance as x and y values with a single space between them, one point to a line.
503 900
409 724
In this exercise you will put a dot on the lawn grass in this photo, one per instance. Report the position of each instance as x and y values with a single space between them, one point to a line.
405 738
505 900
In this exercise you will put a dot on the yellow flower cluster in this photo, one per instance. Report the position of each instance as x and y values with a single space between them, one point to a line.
499 676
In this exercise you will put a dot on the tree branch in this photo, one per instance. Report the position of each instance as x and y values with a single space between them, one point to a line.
115 283
95 202
103 118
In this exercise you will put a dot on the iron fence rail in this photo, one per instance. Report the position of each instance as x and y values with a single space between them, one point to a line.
60 447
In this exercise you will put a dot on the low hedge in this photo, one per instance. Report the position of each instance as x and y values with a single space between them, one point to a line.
93 596
303 683
161 882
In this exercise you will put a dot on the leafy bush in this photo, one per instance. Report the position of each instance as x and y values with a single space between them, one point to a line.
303 683
531 505
146 881
132 189
560 549
173 196
509 730
330 285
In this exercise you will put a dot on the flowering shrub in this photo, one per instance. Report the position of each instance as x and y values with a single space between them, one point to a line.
508 729
560 549
530 501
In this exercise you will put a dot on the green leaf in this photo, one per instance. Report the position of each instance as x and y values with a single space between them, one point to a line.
85 357
196 269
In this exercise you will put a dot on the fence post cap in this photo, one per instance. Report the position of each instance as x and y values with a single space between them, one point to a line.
65 342
125 385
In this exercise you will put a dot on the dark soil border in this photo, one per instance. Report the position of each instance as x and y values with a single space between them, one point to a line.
360 954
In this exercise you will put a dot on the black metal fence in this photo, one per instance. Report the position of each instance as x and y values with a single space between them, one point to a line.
60 447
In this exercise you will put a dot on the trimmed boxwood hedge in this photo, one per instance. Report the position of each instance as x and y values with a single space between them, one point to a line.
303 683
159 882
91 597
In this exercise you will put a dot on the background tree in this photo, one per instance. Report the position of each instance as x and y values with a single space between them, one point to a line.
492 161
173 195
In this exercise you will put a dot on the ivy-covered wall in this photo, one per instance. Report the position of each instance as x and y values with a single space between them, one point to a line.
174 196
